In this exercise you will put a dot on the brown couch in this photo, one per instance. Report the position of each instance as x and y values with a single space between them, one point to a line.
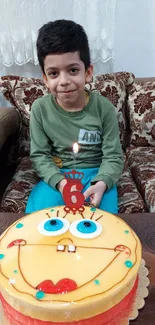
134 100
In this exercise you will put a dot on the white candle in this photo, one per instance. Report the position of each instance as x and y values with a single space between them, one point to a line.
75 148
75 152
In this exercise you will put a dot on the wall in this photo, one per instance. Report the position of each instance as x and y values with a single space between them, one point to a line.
135 37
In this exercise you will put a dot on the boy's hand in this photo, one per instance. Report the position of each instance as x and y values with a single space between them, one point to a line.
95 192
61 184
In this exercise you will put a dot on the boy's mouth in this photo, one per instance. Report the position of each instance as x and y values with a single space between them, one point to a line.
67 92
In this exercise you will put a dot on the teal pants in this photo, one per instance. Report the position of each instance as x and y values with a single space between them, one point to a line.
44 196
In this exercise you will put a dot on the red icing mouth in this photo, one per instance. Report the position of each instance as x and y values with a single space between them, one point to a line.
62 286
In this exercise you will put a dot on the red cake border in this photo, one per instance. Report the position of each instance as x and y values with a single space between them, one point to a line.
17 318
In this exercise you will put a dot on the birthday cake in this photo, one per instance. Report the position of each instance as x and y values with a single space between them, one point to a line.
58 267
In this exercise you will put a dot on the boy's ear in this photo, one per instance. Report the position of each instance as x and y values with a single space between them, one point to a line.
45 80
89 73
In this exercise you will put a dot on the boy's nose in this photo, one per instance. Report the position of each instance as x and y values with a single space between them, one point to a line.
64 80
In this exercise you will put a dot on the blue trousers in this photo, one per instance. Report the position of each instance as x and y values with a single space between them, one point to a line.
44 196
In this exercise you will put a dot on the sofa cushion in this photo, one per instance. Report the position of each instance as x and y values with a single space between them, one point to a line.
142 165
114 87
129 199
141 110
16 194
21 93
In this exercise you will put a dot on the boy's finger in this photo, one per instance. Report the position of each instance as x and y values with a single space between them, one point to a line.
96 200
88 192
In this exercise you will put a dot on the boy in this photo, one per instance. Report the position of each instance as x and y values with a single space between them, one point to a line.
70 114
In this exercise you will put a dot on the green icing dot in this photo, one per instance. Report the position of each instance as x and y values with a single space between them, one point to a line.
19 225
128 264
15 271
52 210
1 256
93 209
126 231
97 282
40 294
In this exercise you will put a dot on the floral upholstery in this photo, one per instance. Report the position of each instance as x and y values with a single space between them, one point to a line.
16 194
113 87
142 165
21 92
141 109
129 199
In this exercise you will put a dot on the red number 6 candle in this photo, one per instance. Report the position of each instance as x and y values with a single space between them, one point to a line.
73 198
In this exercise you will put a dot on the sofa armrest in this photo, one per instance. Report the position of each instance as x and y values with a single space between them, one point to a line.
9 123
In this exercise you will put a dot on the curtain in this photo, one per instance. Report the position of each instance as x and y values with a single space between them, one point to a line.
21 19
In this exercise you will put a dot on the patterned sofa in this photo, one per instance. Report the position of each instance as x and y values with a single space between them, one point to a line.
135 107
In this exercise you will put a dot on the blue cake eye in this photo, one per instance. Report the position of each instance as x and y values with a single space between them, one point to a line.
53 226
85 229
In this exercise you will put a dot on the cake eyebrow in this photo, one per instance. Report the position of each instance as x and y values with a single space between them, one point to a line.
48 215
65 215
91 218
82 215
99 218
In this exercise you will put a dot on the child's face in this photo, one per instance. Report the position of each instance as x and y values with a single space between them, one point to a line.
65 77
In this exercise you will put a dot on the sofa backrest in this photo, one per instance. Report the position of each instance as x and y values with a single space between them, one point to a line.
143 80
21 93
141 112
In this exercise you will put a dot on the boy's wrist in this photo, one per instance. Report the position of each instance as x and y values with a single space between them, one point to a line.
60 185
105 178
102 183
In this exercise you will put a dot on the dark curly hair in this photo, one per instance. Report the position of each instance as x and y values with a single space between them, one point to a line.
62 36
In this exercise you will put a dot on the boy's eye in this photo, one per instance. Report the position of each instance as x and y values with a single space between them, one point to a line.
53 73
74 70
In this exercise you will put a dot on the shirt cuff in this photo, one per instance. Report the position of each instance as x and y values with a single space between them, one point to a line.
105 178
55 179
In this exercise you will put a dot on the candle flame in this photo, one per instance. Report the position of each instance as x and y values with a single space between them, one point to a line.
75 148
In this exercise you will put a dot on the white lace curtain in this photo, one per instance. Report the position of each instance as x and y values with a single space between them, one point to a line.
21 19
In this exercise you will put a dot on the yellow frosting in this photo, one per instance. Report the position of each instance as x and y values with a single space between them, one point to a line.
104 268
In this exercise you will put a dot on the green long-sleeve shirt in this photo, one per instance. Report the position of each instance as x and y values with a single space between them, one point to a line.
53 132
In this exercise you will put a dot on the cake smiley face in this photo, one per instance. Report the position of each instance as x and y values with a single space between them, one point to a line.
58 256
